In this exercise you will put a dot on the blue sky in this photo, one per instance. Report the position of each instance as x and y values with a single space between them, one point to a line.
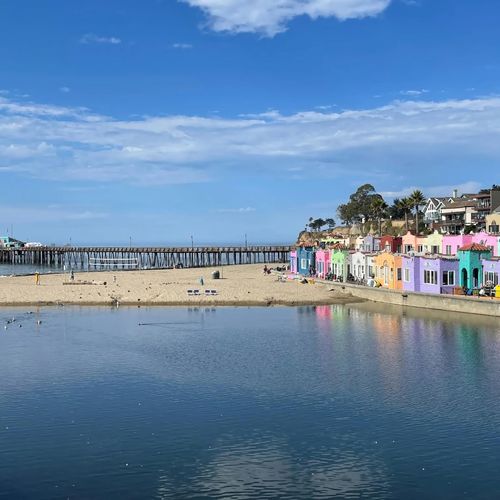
162 119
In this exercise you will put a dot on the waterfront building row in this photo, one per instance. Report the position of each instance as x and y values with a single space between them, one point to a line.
472 267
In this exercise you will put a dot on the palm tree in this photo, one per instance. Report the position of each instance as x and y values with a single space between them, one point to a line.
378 209
405 205
417 199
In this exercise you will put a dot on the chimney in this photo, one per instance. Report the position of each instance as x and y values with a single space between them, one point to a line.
455 193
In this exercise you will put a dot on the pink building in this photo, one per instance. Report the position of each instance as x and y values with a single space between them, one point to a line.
487 240
413 243
451 243
322 263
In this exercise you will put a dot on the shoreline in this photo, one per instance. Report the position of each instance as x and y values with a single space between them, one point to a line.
241 286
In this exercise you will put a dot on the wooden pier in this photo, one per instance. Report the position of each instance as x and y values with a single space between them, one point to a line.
95 258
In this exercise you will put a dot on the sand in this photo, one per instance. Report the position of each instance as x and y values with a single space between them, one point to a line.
240 285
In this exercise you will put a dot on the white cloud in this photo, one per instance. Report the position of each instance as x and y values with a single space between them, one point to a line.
242 210
439 191
414 93
269 17
184 46
64 90
398 141
89 38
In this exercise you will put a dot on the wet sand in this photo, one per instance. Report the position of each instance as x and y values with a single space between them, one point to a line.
239 285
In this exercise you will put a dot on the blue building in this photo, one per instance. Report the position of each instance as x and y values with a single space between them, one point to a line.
305 260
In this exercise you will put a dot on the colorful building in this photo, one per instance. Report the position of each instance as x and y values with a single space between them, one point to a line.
451 243
488 240
323 263
427 274
305 260
409 242
491 271
471 256
432 243
293 261
392 244
388 270
339 258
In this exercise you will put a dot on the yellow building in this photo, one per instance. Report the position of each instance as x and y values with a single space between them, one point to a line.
388 270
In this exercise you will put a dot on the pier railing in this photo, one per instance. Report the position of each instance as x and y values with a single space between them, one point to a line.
143 257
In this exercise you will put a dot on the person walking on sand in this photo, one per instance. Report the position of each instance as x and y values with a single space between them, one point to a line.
37 278
72 275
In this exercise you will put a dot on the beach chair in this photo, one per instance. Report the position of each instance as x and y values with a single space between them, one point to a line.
210 292
196 292
190 292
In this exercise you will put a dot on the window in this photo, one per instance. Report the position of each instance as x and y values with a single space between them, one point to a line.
435 249
370 270
491 277
399 274
407 275
448 249
320 267
420 248
303 263
448 278
430 277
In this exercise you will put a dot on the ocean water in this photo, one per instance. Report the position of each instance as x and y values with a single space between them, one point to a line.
248 403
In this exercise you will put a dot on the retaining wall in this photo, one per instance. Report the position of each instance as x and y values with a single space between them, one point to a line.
451 303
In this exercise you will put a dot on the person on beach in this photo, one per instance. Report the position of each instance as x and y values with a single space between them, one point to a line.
72 275
202 282
37 278
265 269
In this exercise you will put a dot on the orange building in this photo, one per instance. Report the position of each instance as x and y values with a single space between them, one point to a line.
388 270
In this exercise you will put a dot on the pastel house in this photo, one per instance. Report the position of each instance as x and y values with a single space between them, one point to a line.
371 243
388 270
411 273
451 243
322 263
430 274
305 260
488 240
293 261
359 267
471 256
491 271
392 244
339 258
409 242
432 243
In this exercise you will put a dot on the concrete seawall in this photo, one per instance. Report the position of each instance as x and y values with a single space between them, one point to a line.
450 303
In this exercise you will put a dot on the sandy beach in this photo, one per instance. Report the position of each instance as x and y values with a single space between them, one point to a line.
239 285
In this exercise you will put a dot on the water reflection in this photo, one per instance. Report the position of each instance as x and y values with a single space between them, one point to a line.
315 402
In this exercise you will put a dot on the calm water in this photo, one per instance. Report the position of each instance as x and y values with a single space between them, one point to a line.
248 403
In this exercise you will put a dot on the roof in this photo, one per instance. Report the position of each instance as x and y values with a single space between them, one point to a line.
475 247
459 204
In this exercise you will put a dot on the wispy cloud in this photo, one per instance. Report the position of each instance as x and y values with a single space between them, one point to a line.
182 46
243 210
271 17
64 90
440 191
395 140
89 38
413 93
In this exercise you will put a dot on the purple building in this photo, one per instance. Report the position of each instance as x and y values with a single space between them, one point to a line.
436 274
491 271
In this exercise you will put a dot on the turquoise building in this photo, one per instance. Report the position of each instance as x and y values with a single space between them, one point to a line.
470 265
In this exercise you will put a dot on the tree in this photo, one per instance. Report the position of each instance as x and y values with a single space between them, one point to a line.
359 205
417 200
330 223
379 211
405 205
316 224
